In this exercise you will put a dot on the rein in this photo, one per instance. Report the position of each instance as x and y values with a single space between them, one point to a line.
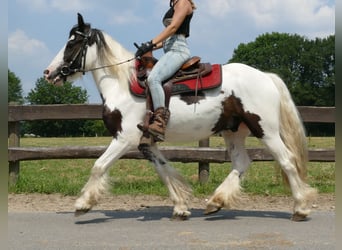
106 66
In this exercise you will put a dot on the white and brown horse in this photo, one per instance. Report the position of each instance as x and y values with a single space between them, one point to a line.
248 101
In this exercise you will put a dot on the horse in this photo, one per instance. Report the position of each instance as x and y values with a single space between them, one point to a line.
248 102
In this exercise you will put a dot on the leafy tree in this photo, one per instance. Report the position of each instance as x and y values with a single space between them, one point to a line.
306 66
15 91
46 93
95 128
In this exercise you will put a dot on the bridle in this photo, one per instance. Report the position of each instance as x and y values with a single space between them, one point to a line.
77 64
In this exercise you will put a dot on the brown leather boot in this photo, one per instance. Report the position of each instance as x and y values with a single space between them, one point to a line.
160 120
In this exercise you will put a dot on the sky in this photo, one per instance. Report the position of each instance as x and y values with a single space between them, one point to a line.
38 29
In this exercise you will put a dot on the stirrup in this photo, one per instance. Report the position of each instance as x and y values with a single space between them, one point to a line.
146 140
150 133
156 136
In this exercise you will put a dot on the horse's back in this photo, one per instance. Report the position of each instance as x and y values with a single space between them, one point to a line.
252 86
245 75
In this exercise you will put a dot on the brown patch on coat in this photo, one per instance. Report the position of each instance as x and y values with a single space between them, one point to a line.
233 114
112 120
190 98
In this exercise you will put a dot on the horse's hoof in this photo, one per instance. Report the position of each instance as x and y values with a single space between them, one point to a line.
179 217
299 217
211 209
80 212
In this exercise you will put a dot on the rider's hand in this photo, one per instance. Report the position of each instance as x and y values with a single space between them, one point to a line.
144 48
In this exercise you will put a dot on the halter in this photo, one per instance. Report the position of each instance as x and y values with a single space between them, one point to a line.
80 59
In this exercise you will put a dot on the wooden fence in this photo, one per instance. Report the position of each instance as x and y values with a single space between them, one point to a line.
202 154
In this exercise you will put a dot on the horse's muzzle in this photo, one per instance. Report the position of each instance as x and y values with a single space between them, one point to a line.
52 77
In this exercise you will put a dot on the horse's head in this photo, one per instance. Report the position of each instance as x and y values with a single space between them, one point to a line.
71 60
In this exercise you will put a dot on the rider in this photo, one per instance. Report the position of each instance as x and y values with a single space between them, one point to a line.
173 40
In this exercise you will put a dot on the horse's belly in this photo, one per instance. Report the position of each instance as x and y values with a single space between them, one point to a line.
192 122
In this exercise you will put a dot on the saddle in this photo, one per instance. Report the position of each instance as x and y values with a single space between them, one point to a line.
192 77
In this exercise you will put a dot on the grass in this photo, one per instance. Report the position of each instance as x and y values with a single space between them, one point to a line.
138 176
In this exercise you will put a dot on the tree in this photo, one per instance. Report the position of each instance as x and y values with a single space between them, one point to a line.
316 83
95 128
306 66
46 93
15 91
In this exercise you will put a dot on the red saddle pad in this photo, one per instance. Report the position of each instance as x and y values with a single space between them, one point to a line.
210 81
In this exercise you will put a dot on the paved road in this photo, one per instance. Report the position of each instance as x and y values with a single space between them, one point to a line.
151 228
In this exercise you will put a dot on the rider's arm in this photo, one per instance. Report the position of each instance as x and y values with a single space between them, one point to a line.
182 9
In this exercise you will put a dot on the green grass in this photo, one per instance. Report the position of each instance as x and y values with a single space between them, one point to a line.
138 176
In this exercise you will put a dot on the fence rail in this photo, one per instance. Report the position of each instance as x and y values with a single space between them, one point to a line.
202 154
178 154
94 111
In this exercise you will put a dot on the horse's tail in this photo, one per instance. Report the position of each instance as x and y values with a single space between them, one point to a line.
292 130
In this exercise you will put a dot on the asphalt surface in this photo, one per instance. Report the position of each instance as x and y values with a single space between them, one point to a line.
151 228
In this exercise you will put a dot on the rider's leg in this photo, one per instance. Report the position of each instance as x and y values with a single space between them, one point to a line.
176 54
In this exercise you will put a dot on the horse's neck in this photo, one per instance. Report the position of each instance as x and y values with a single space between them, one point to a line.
113 82
110 86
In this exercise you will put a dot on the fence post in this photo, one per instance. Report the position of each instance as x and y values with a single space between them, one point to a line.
13 141
203 167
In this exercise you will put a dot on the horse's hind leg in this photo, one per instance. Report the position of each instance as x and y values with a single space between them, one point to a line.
229 192
301 191
180 192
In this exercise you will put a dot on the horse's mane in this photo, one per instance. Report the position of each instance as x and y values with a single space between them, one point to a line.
110 52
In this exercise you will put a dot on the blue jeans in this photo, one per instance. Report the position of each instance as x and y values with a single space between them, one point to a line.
176 53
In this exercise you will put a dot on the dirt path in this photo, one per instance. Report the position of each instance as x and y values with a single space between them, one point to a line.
59 203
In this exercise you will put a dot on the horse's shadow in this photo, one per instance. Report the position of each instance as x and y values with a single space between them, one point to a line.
164 213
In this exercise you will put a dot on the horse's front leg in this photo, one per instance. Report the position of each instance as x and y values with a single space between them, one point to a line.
179 190
97 184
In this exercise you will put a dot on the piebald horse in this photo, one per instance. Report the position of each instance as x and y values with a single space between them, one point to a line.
255 102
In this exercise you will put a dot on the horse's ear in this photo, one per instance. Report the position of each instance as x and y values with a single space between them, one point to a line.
80 21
